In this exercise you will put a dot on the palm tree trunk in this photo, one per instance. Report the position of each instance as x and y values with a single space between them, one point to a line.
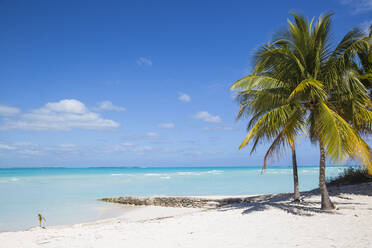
325 200
296 195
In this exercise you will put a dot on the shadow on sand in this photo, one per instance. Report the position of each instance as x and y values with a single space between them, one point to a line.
308 206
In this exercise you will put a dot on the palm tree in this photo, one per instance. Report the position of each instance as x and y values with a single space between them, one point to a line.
351 99
302 64
279 121
365 68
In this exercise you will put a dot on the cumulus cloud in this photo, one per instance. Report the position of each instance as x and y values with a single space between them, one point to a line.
184 97
64 106
166 125
207 117
7 110
107 105
358 6
144 62
63 115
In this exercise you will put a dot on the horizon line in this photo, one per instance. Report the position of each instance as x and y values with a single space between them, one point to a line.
162 167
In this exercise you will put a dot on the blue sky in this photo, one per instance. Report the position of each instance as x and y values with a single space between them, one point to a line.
140 83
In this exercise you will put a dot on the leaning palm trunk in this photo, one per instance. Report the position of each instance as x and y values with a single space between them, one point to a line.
296 191
326 203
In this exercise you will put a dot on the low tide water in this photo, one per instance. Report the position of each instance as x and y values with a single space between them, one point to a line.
69 195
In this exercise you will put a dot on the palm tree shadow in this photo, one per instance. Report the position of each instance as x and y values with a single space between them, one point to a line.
279 201
307 206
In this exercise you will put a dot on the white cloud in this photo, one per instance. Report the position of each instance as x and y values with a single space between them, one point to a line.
207 117
30 149
126 147
7 147
28 152
224 128
166 125
144 61
184 97
63 115
107 105
358 6
21 148
365 26
151 134
65 106
62 149
143 148
147 136
67 146
7 110
127 144
25 144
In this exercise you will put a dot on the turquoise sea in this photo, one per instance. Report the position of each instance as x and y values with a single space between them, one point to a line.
67 196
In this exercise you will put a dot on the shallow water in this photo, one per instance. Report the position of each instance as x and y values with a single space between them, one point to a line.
67 196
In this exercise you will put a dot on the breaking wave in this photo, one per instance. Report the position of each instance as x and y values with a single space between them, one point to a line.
9 180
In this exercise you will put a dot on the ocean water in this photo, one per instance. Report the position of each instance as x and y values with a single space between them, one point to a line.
67 196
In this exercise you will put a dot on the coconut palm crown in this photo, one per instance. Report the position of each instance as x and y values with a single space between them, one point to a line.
274 119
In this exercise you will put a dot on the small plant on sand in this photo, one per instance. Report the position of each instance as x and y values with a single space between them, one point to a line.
351 176
41 219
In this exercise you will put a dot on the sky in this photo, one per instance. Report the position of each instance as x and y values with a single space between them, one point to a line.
138 83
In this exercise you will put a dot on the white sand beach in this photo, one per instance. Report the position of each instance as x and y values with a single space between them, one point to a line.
264 221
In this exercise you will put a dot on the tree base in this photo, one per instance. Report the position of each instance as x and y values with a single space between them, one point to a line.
328 205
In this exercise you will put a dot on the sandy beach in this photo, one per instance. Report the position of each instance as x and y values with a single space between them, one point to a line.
266 221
